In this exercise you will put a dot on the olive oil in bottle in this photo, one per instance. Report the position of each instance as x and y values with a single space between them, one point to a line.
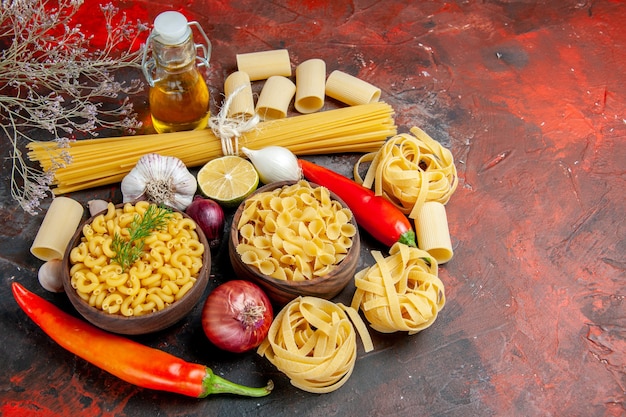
179 96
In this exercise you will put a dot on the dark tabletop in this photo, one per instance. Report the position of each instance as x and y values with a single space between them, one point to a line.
531 99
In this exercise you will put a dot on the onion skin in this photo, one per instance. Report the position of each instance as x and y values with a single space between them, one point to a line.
210 218
236 316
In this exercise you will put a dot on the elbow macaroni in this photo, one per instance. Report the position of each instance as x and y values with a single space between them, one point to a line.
165 272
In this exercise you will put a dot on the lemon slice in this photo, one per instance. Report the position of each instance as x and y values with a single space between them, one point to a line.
228 180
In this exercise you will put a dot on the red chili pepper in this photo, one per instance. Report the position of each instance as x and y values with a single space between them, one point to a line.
128 360
377 215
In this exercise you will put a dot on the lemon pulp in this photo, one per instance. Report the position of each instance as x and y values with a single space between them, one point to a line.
228 180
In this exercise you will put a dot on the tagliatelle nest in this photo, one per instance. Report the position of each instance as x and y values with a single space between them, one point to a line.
401 292
313 342
409 170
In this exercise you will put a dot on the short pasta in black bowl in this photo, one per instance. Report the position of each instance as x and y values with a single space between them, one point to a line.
136 268
295 239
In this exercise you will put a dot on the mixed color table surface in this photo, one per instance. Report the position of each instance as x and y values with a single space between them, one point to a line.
531 99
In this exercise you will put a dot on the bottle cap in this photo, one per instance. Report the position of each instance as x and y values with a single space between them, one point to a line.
171 28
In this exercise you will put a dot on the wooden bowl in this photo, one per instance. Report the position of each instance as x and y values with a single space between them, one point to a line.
283 291
146 323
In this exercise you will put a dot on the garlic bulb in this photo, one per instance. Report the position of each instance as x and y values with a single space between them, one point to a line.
160 180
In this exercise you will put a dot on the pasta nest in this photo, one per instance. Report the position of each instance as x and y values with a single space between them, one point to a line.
401 292
313 342
410 170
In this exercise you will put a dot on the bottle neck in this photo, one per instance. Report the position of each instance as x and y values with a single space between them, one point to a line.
174 57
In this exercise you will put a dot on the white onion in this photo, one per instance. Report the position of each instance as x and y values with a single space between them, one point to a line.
274 164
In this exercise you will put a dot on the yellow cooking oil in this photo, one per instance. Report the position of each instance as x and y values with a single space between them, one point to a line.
180 101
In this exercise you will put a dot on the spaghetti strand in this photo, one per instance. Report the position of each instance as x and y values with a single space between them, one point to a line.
103 161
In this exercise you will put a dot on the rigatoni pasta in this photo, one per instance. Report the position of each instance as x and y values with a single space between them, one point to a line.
238 86
310 85
165 272
275 98
432 231
264 64
351 90
56 230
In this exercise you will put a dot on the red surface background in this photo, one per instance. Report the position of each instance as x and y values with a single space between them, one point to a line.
529 96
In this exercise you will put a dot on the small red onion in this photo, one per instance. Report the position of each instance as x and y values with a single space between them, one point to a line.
210 218
237 315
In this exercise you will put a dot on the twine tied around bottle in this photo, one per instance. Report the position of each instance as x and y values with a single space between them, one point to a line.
229 129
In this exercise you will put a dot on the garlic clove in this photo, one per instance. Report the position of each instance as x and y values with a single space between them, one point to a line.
133 185
51 275
96 206
184 185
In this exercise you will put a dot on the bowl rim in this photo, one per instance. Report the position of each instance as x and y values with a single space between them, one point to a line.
279 283
94 315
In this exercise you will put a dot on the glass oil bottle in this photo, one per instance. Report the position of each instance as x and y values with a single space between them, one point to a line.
179 96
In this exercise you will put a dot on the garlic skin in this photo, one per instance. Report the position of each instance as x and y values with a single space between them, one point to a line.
274 164
51 275
160 180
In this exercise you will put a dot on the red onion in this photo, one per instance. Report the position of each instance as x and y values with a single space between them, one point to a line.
236 316
209 216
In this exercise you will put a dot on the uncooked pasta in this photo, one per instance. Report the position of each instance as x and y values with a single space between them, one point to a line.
295 232
400 292
313 341
96 162
410 170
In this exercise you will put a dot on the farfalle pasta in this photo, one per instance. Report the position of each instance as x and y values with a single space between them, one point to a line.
295 232
401 292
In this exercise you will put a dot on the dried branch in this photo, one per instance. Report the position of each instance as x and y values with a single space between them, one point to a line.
51 79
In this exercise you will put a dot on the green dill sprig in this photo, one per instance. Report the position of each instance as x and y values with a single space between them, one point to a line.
127 251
